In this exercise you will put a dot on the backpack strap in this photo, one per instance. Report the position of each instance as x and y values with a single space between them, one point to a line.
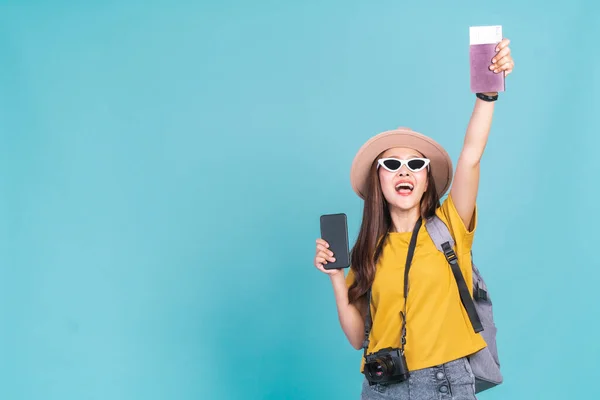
439 233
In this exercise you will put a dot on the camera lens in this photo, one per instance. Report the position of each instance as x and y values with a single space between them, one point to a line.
380 367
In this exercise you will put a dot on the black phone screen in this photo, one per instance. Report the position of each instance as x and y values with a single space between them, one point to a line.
334 230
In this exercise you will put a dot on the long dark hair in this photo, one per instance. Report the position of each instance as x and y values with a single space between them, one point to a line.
376 223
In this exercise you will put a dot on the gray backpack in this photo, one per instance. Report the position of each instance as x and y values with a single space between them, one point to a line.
485 363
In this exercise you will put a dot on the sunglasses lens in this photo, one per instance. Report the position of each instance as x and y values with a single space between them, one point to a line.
416 165
392 164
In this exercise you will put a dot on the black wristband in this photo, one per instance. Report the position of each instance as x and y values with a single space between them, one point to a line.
487 98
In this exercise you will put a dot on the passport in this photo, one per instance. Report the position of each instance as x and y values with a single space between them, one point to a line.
482 48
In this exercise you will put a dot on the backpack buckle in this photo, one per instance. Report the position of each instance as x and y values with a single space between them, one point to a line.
480 294
449 253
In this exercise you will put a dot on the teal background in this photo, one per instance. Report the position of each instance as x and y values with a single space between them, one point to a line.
164 166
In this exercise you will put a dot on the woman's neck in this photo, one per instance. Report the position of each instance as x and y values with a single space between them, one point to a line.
405 220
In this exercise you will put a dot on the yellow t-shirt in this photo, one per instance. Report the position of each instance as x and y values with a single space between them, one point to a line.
438 328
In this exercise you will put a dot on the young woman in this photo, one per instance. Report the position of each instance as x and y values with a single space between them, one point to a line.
401 175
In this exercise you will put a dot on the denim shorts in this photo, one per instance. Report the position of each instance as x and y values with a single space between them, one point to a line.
452 381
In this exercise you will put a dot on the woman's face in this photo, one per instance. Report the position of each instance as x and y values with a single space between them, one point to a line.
403 189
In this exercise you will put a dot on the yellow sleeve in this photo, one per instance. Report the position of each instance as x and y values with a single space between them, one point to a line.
463 236
350 277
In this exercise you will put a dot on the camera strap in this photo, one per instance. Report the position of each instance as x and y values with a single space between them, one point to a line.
409 257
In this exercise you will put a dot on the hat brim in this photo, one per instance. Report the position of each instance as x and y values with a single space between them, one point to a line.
440 162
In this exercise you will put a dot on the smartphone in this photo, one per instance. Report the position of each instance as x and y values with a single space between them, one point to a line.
334 230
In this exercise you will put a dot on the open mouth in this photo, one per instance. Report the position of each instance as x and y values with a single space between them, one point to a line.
404 188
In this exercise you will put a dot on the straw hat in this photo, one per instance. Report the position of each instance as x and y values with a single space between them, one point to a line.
440 162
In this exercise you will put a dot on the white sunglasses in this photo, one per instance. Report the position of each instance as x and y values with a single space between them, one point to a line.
394 164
